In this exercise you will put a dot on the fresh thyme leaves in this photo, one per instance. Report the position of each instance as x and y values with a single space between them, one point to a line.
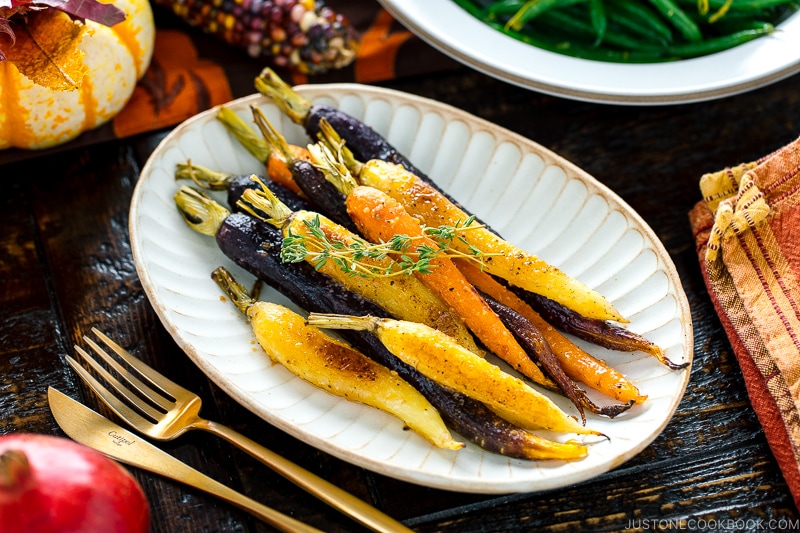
448 233
387 259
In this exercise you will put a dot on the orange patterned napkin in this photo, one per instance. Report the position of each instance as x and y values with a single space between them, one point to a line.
747 230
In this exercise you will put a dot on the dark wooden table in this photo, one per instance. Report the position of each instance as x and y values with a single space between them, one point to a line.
66 265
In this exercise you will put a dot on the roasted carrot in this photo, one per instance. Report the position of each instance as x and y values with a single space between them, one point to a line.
379 218
532 339
333 366
506 260
577 363
270 148
599 332
235 185
311 180
256 247
365 141
437 356
401 296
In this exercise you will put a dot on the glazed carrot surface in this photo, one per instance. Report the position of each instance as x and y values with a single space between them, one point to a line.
404 297
278 168
380 217
577 363
438 357
506 260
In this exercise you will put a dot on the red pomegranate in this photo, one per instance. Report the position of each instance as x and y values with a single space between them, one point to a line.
54 485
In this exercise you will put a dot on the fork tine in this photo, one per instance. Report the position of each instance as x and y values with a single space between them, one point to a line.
113 403
148 373
115 383
155 396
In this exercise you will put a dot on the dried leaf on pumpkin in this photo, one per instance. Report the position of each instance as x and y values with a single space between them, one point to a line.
46 50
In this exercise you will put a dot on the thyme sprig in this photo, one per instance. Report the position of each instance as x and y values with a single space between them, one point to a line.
361 258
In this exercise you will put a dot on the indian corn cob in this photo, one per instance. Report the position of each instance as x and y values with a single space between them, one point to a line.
305 36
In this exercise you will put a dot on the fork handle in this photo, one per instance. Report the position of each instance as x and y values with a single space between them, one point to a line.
337 498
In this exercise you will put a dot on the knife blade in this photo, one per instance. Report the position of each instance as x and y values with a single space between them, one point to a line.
96 431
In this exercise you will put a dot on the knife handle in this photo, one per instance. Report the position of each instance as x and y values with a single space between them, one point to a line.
337 498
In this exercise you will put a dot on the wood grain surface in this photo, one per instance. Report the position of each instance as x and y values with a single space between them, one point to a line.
66 266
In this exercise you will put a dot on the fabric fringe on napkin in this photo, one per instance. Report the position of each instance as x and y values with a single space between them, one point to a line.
747 231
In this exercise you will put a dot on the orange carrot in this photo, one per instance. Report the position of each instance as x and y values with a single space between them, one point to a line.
270 148
578 364
404 297
507 261
435 209
278 168
379 218
282 155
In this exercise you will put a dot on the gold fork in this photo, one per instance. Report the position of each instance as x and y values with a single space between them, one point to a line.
178 411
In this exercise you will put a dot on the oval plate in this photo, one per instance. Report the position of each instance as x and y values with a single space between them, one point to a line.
446 26
529 194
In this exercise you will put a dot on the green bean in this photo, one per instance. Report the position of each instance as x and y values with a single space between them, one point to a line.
568 20
572 49
741 5
632 30
503 10
471 8
531 10
679 19
718 44
729 26
644 15
597 14
635 27
487 4
770 14
505 7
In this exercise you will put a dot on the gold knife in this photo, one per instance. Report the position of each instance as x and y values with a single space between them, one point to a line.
96 431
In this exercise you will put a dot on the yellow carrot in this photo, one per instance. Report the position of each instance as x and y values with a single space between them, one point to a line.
402 296
505 260
379 218
333 366
577 363
439 358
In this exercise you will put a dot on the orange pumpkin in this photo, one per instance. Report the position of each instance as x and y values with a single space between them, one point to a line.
33 116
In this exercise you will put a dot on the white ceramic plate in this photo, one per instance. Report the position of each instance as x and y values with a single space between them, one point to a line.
455 32
526 192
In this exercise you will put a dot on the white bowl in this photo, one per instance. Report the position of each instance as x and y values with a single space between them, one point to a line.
448 27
